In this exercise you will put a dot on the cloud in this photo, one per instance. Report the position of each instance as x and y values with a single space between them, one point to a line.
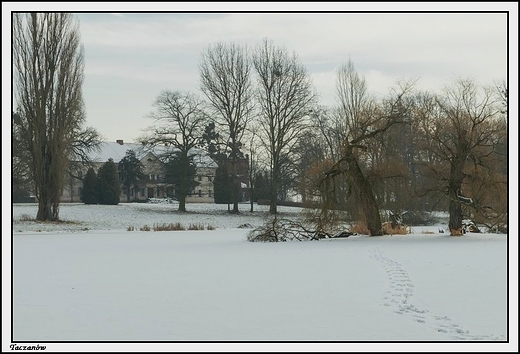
130 57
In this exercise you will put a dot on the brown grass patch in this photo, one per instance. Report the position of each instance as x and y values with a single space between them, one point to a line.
174 226
196 227
398 230
456 232
177 226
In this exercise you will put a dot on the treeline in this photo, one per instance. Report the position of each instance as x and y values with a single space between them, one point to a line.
407 150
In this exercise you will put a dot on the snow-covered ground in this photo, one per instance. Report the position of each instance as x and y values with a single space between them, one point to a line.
89 279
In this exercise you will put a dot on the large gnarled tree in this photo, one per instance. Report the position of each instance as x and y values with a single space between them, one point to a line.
364 120
462 129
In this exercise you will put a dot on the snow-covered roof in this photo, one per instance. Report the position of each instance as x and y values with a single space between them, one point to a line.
117 151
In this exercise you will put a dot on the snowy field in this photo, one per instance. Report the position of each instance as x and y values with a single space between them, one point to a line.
88 279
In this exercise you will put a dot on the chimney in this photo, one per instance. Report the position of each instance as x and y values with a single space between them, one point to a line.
120 142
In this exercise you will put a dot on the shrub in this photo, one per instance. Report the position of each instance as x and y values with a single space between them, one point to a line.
196 227
26 217
277 230
169 227
108 184
89 192
130 228
145 228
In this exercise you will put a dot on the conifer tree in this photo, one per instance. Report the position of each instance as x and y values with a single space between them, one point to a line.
89 193
222 185
131 171
181 171
109 188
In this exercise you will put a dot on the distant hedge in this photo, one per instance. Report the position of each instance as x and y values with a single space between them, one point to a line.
285 203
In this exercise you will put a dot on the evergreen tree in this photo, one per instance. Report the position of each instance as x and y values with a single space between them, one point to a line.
109 189
261 191
89 193
211 139
222 185
131 172
181 171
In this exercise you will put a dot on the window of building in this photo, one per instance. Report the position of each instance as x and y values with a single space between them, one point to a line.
200 178
200 193
80 174
210 193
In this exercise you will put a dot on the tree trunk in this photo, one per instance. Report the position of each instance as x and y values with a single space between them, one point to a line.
183 190
251 191
235 195
71 188
454 186
234 183
44 209
55 210
455 223
366 197
272 203
182 203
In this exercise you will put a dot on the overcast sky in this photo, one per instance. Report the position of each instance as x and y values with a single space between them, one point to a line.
131 57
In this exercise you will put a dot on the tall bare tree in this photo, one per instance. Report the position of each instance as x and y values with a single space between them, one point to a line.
48 76
364 120
462 127
225 74
179 121
286 96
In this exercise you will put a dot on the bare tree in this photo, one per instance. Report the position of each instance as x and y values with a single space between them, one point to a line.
48 63
462 127
285 95
86 140
225 73
364 120
179 122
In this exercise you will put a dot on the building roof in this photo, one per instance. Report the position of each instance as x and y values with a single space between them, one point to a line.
117 151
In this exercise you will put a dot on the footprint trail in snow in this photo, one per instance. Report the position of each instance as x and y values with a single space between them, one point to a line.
400 299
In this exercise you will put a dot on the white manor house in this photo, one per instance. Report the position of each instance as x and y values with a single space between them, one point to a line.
155 186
